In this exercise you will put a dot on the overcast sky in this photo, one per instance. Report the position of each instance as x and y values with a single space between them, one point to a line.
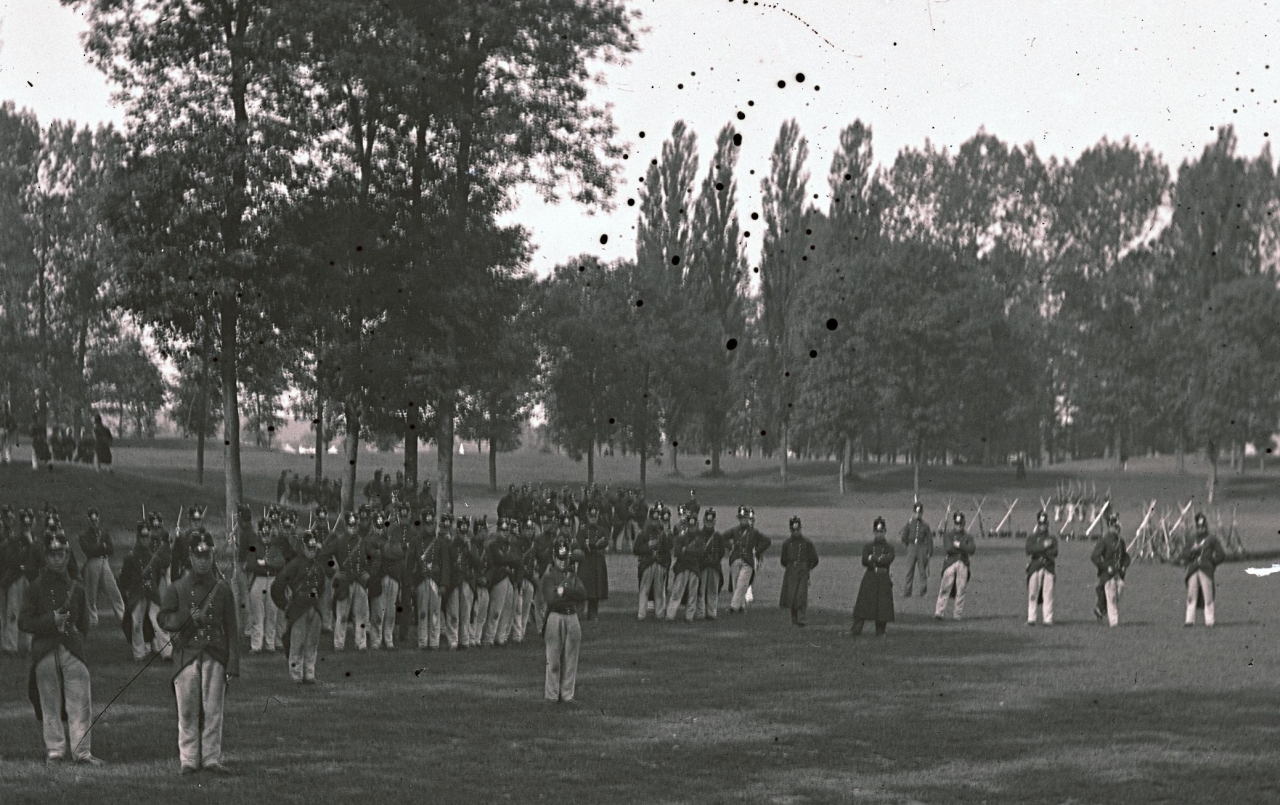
1056 73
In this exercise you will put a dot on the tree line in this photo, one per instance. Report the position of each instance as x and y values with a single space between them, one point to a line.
307 196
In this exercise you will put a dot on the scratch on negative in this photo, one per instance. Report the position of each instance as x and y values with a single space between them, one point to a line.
815 31
268 702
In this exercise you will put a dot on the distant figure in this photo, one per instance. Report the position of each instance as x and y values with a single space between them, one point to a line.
295 489
918 538
799 557
39 443
101 444
8 433
1111 557
955 569
875 594
1042 547
85 448
282 487
1202 557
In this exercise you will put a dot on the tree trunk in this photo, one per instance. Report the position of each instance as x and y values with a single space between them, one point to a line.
320 445
1182 453
411 445
202 424
591 463
1211 452
234 483
675 458
444 453
716 447
786 439
844 462
644 432
493 463
1120 449
350 451
915 484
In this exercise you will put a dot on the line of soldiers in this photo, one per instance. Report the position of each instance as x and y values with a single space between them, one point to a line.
60 444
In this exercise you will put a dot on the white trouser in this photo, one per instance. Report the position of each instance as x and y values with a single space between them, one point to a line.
479 613
685 581
200 688
523 607
142 611
654 580
304 645
957 573
60 677
98 579
497 624
355 606
11 638
428 614
262 615
1201 583
1040 582
382 614
456 630
740 574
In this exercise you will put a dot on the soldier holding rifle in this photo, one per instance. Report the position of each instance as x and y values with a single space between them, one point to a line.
1202 556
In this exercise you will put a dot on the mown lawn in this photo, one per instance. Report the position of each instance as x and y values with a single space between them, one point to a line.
746 709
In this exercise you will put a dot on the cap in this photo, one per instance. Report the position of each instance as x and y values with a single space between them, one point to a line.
310 537
93 511
350 519
55 540
195 512
1113 518
203 543
878 525
446 518
593 509
1042 518
958 518
560 552
504 525
143 528
794 523
709 514
918 507
264 525
1201 519
463 523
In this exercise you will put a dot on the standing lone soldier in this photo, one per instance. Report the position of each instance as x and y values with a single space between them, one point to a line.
201 611
1111 557
1202 556
55 614
918 538
593 539
875 594
1042 547
98 548
297 591
564 593
955 569
39 443
799 557
101 444
746 547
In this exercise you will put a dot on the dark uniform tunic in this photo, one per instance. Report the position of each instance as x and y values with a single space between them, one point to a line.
875 594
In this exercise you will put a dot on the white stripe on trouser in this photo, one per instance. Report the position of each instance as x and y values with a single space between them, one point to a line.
11 639
479 612
524 606
497 624
262 615
654 580
304 644
455 618
200 689
355 605
957 572
98 579
564 635
1200 581
382 614
142 611
61 674
428 614
740 571
708 594
685 580
1039 582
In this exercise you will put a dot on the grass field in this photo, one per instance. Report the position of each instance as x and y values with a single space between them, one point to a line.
745 709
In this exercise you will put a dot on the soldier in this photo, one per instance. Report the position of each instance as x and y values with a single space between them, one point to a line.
564 593
101 444
653 552
688 547
798 557
461 586
8 433
1042 547
335 554
592 541
692 504
1201 556
711 577
98 548
262 560
481 571
504 561
55 614
140 583
297 591
918 539
282 487
85 449
1111 557
526 578
397 593
746 548
433 572
200 609
955 569
160 536
875 594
